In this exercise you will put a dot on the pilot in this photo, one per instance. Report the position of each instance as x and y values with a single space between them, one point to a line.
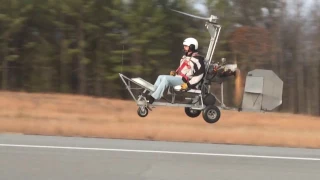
188 74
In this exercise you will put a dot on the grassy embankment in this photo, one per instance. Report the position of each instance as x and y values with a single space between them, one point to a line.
67 115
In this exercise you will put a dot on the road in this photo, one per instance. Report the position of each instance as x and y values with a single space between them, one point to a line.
48 157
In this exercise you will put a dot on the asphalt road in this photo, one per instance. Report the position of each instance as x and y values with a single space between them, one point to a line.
45 158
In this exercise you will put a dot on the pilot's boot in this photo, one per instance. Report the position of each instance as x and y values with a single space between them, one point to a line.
150 99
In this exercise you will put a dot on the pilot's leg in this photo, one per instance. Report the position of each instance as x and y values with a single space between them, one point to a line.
157 83
159 79
174 80
161 84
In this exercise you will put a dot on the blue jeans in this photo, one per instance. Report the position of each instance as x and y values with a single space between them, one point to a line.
164 81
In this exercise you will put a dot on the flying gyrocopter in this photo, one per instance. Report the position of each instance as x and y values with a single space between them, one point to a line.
262 92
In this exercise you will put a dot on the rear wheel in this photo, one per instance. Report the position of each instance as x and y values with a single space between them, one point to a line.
211 114
142 111
191 112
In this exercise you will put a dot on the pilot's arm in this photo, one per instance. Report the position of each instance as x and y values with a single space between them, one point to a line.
195 80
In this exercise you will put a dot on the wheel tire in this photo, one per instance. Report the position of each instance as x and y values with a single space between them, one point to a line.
209 99
191 112
142 111
211 114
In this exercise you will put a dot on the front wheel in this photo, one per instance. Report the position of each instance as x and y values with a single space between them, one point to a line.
211 114
142 111
191 112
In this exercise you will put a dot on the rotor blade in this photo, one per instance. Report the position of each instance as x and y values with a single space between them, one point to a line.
199 17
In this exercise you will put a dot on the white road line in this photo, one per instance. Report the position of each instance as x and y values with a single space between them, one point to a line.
159 152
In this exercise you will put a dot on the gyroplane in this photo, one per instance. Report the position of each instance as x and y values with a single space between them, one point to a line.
262 91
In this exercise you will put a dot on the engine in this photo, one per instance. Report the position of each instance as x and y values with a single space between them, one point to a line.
218 71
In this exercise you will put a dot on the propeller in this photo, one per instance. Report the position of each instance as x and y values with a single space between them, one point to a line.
212 18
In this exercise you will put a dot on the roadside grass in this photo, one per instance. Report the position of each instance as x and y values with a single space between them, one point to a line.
74 115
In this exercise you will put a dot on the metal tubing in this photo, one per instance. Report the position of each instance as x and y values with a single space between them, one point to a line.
178 105
222 101
127 86
215 43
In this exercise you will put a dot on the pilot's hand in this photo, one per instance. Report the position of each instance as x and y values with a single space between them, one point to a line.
184 86
172 73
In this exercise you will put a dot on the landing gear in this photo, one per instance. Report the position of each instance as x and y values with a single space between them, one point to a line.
191 112
143 111
211 114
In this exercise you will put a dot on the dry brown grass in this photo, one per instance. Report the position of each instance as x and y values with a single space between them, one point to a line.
70 115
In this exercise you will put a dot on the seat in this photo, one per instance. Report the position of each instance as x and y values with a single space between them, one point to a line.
178 88
196 90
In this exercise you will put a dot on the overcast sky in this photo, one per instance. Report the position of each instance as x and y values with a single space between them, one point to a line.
307 5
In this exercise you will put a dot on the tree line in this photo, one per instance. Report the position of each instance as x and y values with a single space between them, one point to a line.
79 47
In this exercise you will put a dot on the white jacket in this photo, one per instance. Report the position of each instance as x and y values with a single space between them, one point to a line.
191 69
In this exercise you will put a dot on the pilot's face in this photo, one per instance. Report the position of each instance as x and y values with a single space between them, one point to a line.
186 48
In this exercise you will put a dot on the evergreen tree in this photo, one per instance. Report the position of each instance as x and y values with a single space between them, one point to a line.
12 22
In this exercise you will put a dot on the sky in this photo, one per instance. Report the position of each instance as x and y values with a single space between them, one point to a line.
308 3
201 7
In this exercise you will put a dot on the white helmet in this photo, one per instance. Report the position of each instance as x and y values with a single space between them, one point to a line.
191 41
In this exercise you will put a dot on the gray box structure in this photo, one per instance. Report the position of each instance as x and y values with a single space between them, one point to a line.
262 92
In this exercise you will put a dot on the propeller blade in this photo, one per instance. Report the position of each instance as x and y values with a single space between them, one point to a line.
199 17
